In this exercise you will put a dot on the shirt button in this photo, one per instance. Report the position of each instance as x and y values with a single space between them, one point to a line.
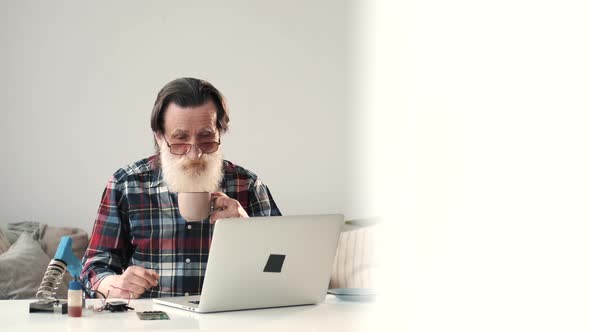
186 294
189 226
188 260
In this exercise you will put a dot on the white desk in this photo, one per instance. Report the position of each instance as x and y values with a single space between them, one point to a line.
332 315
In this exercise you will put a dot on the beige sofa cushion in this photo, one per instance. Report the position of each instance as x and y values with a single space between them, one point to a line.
355 264
22 268
4 243
51 237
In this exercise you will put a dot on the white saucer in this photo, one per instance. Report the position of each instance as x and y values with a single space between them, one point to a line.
353 291
354 294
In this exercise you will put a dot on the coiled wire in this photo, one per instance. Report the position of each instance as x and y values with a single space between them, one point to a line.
51 280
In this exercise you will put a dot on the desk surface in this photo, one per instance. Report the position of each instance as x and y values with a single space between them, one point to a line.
331 315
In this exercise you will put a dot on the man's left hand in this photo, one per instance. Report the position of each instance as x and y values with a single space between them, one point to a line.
225 207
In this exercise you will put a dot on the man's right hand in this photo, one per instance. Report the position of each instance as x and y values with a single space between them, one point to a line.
134 281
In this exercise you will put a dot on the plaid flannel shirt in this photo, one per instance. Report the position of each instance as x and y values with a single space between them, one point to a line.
138 223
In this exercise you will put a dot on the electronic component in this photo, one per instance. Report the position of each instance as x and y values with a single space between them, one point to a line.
116 306
152 315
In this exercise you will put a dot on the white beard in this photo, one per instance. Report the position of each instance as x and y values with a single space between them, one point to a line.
185 175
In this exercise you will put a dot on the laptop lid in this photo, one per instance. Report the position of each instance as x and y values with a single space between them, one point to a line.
267 262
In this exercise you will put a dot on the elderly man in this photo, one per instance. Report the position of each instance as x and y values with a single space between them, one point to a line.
140 245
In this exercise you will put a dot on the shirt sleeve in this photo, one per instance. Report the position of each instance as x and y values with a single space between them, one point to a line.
261 202
108 251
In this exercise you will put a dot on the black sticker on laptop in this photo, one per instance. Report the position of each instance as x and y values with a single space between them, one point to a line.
274 263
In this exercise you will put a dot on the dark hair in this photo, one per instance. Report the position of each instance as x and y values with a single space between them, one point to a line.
188 92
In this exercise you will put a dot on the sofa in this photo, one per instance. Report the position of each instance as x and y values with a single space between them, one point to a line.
356 264
27 247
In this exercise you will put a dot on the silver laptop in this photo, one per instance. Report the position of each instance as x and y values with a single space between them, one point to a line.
266 262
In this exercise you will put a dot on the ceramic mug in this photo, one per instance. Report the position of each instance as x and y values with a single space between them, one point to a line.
194 206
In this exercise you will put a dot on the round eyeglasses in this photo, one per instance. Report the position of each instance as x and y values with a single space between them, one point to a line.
184 148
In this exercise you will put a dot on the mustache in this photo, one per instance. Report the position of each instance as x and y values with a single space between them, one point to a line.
188 164
191 163
185 161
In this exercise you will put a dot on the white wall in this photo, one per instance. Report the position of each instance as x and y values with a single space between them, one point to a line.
489 160
79 80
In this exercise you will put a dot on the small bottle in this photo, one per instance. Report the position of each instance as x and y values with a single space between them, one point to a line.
75 298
